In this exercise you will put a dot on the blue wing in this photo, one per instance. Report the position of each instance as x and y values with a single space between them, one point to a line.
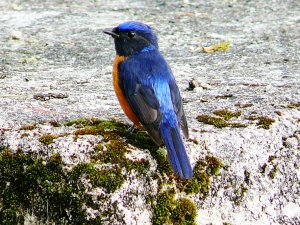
137 77
151 91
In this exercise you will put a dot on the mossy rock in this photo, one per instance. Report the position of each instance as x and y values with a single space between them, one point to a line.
167 210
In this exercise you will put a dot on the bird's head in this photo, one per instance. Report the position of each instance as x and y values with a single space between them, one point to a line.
132 37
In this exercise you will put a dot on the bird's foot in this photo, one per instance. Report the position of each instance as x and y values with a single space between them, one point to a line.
131 129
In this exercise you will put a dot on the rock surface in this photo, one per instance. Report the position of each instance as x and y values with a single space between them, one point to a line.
56 48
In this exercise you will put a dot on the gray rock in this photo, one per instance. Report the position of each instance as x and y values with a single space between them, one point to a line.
62 50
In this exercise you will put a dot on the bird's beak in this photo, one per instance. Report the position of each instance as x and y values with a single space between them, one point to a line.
111 32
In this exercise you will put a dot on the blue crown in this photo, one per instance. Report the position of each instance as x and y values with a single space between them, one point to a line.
134 26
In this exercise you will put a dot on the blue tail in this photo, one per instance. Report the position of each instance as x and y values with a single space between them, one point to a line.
176 151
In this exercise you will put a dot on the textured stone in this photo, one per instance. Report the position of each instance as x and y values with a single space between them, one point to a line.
61 49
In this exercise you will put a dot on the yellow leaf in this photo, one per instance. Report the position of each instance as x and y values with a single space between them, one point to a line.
222 46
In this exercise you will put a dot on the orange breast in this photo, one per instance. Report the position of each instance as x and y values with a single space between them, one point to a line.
120 95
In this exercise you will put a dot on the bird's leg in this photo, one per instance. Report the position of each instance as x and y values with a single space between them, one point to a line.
131 129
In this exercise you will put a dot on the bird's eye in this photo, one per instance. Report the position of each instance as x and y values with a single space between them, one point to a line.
130 34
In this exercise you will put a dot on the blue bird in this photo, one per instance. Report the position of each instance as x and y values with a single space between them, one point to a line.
147 91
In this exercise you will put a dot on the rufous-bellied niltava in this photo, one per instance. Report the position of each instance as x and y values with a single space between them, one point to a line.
147 91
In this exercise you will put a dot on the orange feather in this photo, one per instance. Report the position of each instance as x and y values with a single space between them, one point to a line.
120 95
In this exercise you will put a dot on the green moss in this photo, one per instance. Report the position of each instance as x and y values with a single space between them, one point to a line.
28 127
115 153
184 212
83 122
167 210
213 165
109 179
203 170
113 130
99 148
263 121
55 123
141 166
116 139
111 125
222 120
238 125
226 114
162 160
31 185
86 131
43 188
141 139
163 208
108 129
47 139
101 126
97 153
199 183
215 121
8 216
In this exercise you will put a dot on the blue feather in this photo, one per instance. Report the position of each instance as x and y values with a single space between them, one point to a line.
149 86
136 26
151 91
176 151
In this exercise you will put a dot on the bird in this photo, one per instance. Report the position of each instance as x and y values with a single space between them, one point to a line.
147 91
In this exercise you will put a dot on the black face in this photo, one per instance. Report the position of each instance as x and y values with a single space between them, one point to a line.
130 42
